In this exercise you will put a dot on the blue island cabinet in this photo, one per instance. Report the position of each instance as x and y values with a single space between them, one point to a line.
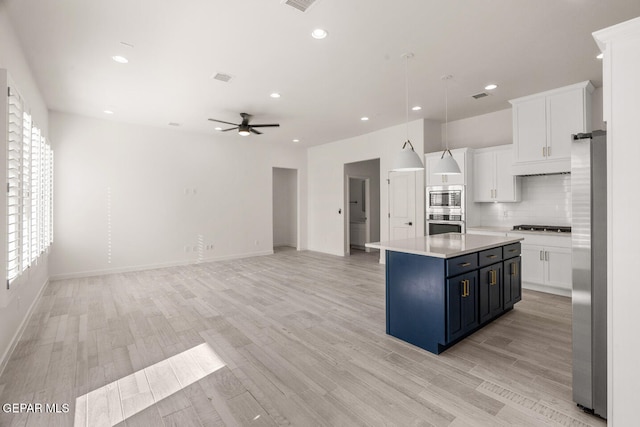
434 302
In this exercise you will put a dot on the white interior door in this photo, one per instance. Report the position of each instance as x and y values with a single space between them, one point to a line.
402 205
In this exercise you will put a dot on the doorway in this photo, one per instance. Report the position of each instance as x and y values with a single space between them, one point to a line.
285 208
362 202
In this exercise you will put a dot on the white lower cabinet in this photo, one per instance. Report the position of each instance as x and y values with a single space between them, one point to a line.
546 263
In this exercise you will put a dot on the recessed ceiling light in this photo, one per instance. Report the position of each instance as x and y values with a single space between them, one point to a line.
296 140
364 119
600 56
490 87
275 95
417 108
108 112
120 59
218 128
319 33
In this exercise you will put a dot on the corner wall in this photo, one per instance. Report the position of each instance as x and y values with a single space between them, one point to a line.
326 182
130 197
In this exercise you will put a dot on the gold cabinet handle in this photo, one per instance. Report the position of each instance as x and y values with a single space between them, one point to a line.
548 151
492 277
465 288
465 264
492 256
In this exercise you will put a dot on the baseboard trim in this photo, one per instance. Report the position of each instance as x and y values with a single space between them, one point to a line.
23 325
130 269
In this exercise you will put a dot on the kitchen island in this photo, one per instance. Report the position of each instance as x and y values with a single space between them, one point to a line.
442 288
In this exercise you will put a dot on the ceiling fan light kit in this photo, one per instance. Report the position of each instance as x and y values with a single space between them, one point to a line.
407 160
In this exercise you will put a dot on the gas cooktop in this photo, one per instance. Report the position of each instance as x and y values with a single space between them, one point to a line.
550 228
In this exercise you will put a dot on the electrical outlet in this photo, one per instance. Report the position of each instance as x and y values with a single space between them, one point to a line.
505 213
187 248
257 242
186 191
194 191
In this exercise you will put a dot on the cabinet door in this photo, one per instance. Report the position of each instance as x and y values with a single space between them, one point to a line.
462 305
431 161
558 267
506 184
530 129
483 176
533 264
490 292
565 117
512 282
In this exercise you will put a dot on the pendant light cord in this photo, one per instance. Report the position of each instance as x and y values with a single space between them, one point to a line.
406 87
446 115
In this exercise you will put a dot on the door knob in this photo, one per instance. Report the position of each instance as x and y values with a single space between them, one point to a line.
408 223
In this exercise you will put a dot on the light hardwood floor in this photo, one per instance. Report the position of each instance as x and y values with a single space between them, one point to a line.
295 338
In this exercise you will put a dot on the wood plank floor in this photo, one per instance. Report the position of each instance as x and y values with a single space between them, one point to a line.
295 338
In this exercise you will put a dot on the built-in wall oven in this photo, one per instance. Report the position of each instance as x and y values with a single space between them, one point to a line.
445 209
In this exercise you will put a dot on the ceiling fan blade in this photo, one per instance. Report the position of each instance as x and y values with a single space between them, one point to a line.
226 123
227 130
273 125
255 131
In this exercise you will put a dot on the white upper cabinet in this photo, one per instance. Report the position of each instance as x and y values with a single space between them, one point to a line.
431 159
492 177
543 124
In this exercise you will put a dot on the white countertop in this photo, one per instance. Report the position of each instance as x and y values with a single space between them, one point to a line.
444 245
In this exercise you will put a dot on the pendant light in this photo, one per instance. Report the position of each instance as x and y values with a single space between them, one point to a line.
407 160
447 164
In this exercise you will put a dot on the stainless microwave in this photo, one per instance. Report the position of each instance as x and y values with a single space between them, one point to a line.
446 197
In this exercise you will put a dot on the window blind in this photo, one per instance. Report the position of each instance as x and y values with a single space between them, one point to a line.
14 172
29 189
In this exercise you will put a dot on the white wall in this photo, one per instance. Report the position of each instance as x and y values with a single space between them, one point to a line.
326 182
285 207
367 169
130 197
16 303
621 45
485 130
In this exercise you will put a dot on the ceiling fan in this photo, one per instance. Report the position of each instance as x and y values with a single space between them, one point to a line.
245 128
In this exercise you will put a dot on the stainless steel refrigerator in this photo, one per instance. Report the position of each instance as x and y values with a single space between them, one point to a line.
589 269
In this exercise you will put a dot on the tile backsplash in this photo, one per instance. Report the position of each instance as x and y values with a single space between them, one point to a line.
546 200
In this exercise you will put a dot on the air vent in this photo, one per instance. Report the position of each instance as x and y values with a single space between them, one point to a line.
301 5
174 124
222 77
479 95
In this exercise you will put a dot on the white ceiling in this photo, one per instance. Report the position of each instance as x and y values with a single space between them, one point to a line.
525 46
